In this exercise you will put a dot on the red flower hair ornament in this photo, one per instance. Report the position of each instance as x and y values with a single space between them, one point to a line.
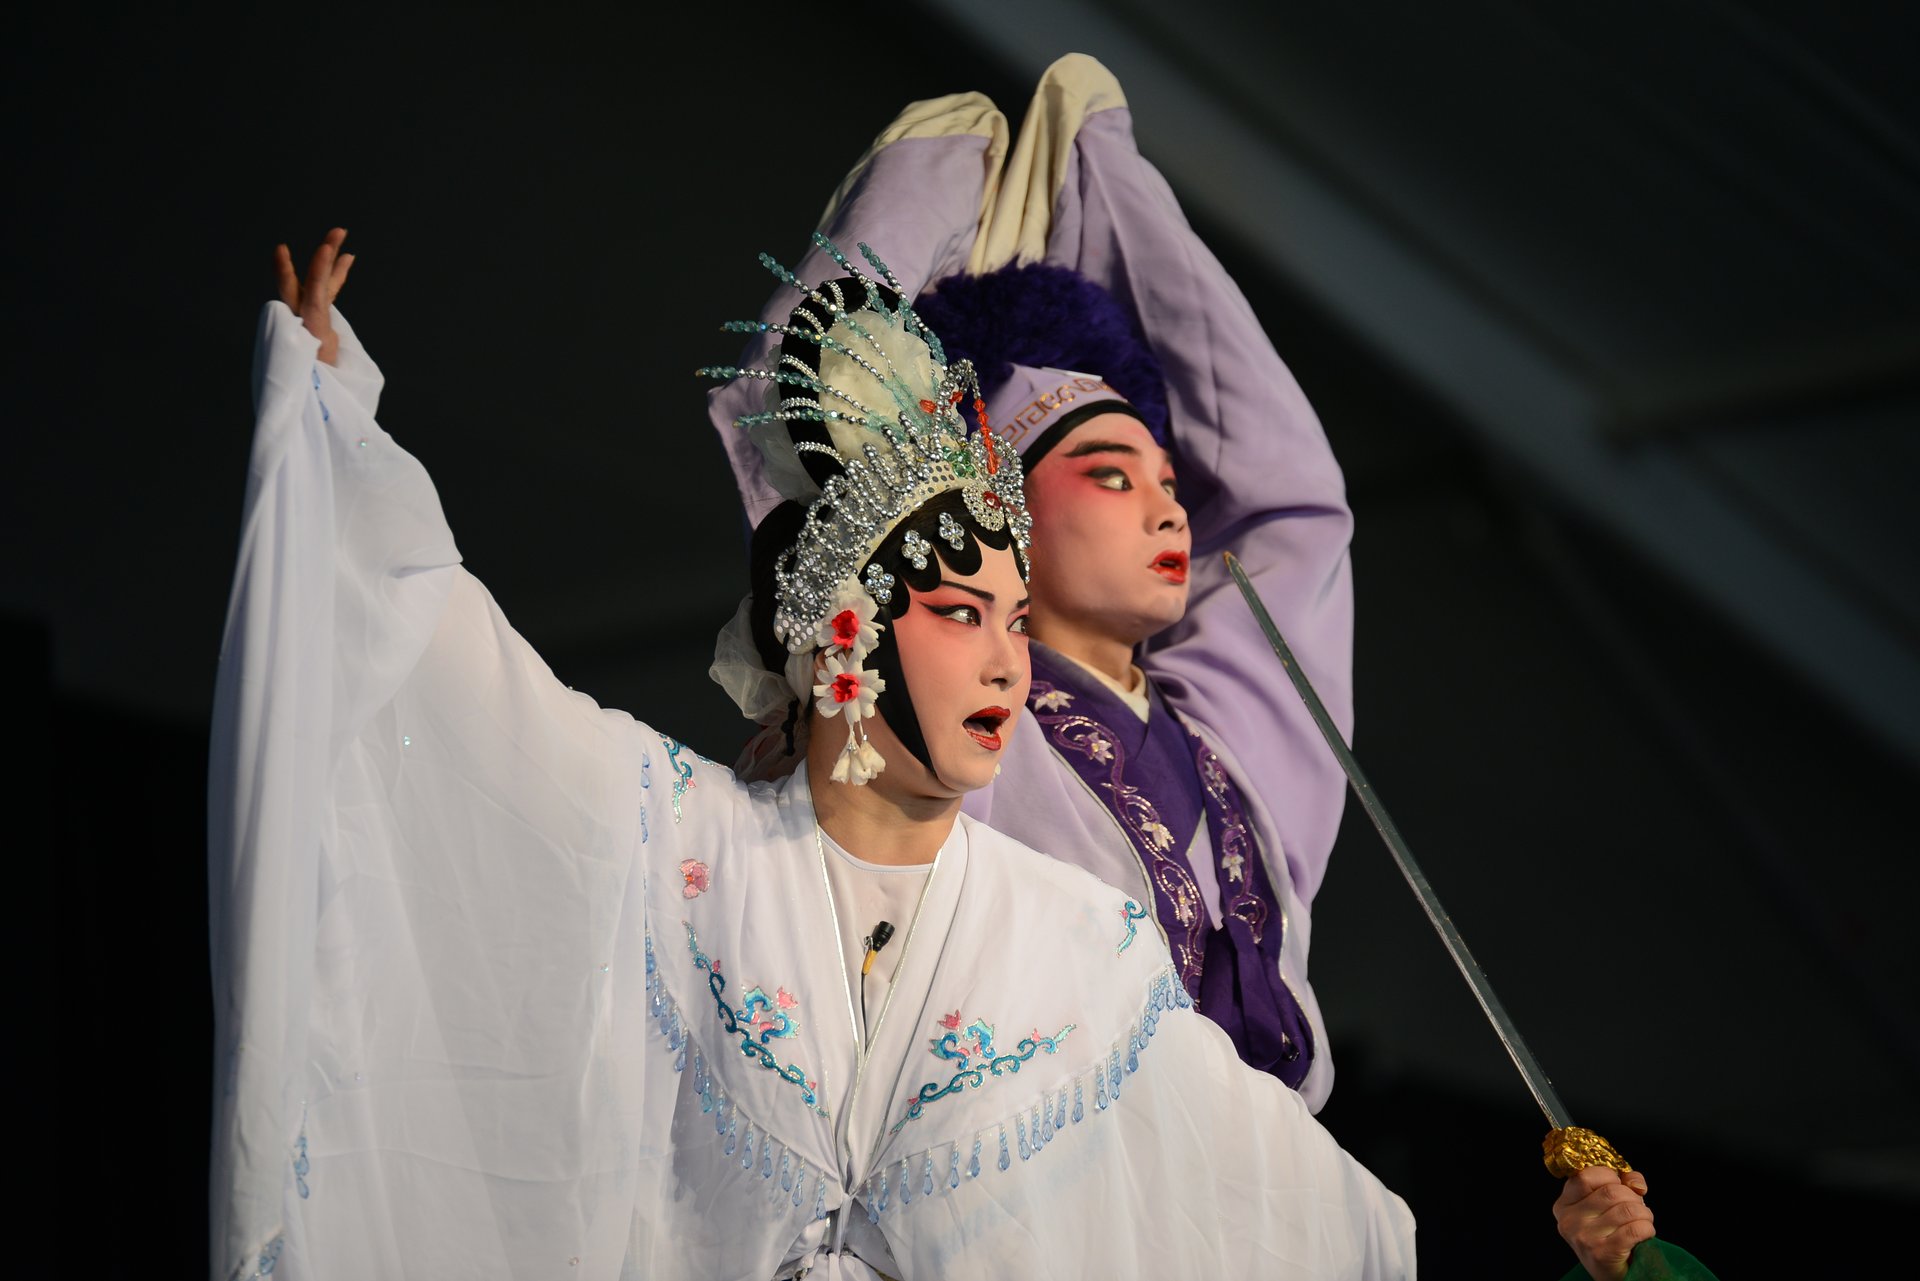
849 628
846 636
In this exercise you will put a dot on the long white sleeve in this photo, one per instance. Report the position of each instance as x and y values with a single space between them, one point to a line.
420 847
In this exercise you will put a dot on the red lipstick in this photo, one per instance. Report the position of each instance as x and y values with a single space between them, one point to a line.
984 725
1171 565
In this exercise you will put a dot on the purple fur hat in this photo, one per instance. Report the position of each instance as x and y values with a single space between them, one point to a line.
1030 331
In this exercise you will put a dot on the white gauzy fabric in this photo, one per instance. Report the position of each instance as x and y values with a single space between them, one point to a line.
510 986
865 894
762 696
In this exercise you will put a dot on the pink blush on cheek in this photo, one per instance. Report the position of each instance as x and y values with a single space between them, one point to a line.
1052 491
1078 523
1066 500
936 655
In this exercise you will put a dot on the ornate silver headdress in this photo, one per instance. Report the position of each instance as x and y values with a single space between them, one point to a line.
891 404
891 408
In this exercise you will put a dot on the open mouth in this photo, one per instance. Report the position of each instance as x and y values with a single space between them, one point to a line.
1170 565
984 725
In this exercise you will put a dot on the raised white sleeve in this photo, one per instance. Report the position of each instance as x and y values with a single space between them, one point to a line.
427 913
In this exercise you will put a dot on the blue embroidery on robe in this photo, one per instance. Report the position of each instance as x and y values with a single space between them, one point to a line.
301 1167
682 772
646 782
270 1255
1048 1121
759 1019
325 417
1130 912
976 1058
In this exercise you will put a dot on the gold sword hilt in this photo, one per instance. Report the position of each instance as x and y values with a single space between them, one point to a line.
1571 1149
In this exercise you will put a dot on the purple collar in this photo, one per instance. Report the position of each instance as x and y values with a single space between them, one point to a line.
1160 781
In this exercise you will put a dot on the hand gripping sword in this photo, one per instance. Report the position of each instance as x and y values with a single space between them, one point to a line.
1567 1148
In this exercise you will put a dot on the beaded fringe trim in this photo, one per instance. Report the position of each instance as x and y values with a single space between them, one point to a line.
269 1259
894 1187
914 1176
786 1180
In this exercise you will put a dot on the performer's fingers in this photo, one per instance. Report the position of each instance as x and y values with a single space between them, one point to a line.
337 238
285 279
1635 1180
340 270
320 267
1584 1183
1610 1197
1618 1216
1595 1177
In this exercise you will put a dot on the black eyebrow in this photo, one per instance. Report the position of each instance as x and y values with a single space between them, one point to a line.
985 597
1087 447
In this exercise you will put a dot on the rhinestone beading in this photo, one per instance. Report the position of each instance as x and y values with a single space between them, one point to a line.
920 450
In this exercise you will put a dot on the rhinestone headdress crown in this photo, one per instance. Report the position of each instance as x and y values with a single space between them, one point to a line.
894 455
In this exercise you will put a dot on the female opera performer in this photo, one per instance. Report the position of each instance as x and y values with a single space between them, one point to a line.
508 985
1111 344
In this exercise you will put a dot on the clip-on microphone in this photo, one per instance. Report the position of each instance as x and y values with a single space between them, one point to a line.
881 936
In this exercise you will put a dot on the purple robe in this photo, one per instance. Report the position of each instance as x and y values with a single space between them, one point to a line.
1257 477
1160 782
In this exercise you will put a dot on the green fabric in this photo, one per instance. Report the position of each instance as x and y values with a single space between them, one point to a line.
1656 1260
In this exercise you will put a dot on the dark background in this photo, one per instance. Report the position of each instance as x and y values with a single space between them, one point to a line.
1682 855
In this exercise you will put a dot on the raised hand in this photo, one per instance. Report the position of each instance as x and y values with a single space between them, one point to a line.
1603 1214
312 300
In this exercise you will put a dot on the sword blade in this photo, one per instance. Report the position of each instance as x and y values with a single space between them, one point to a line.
1516 1046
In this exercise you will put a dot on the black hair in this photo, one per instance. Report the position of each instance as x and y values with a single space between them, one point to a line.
1053 435
777 531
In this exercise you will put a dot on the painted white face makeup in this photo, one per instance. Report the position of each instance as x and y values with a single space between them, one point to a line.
963 652
1110 540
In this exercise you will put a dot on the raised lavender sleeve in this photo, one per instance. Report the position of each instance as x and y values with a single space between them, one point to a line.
916 201
1257 478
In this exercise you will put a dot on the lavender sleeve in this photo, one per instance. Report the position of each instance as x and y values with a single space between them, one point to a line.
1258 479
916 202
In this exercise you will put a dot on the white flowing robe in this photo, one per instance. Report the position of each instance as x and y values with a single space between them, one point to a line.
508 985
